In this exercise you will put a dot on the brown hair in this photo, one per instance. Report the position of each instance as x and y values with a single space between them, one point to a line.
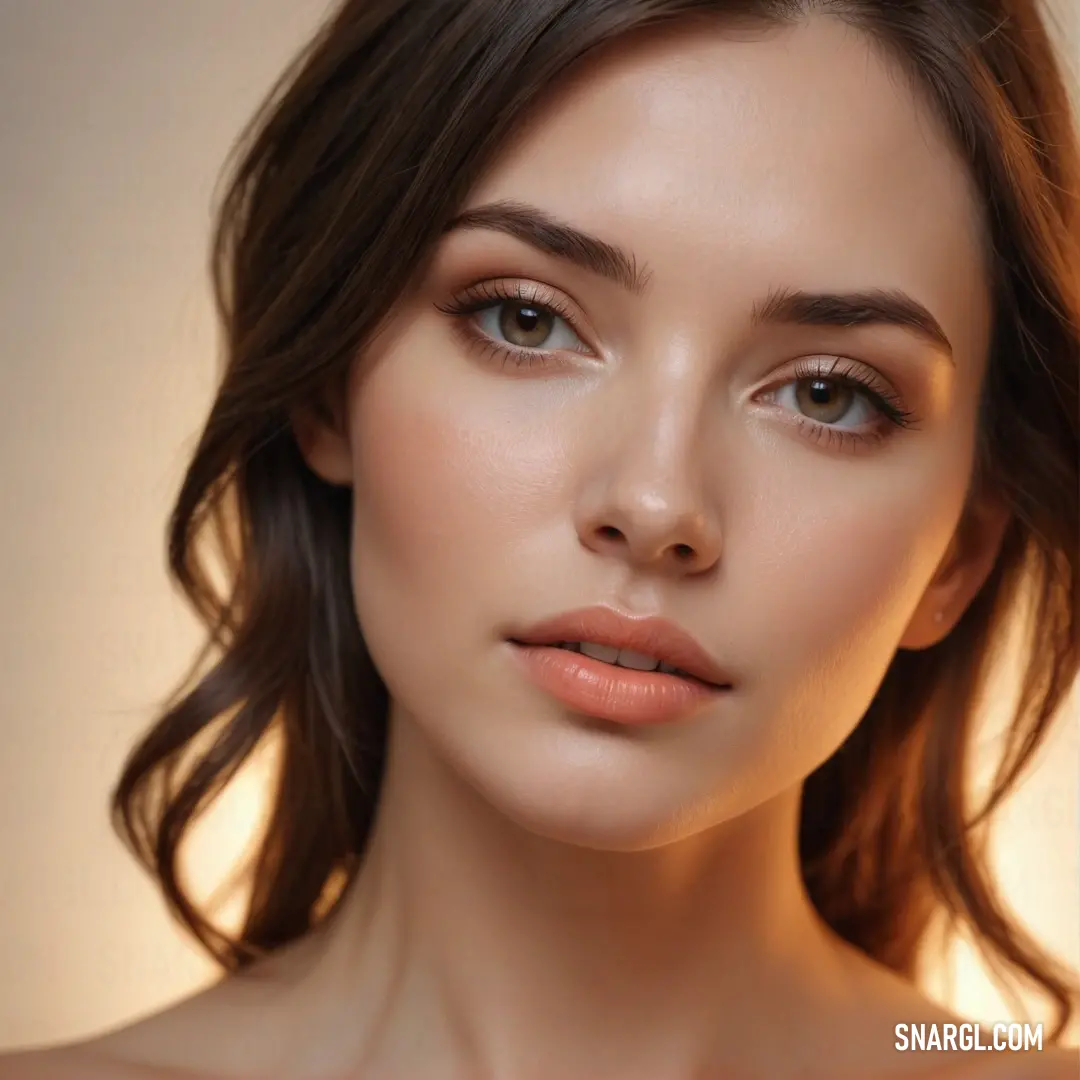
342 184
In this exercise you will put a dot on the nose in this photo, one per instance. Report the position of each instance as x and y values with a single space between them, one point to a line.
647 506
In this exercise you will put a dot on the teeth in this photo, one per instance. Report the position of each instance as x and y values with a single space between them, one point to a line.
607 653
637 661
626 658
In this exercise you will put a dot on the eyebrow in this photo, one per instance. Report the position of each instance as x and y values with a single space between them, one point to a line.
544 232
864 307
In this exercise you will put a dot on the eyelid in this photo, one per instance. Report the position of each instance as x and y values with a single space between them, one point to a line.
841 368
824 365
864 379
487 292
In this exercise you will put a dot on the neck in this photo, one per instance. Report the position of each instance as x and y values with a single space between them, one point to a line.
519 955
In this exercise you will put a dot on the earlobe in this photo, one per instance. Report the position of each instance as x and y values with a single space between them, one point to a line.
324 445
962 572
933 620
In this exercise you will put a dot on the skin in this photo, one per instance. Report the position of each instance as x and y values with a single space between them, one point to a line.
548 896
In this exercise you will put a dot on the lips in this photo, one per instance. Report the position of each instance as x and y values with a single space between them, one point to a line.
651 636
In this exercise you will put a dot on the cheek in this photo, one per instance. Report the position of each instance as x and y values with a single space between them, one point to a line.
416 516
447 493
833 569
831 585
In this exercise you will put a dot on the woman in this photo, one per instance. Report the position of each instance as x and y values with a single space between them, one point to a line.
642 421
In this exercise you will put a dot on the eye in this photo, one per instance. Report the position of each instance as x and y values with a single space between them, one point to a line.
523 323
526 326
831 401
839 403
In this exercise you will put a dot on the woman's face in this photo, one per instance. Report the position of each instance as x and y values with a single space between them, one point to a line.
779 477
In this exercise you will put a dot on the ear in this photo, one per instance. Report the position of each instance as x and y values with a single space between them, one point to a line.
960 574
323 439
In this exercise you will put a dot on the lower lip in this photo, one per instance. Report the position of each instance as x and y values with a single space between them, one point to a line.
613 693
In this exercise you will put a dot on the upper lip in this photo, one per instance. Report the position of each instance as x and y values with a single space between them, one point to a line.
650 635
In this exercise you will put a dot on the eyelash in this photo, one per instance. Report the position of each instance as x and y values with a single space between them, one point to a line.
869 384
489 294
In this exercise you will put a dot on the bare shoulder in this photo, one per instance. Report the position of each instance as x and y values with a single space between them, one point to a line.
151 1048
900 1032
235 1029
240 1028
181 1042
75 1063
1056 1063
1059 1064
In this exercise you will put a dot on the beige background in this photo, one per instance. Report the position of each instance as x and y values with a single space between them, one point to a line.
114 118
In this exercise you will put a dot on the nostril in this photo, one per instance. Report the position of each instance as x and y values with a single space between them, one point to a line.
609 532
684 551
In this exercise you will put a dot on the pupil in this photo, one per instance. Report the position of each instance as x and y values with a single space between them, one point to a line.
525 325
824 399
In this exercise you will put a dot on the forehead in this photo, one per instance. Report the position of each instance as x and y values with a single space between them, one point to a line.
798 155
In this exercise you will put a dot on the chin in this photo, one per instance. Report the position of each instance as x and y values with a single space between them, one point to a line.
596 830
602 799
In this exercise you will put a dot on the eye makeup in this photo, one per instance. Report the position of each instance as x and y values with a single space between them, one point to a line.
490 314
